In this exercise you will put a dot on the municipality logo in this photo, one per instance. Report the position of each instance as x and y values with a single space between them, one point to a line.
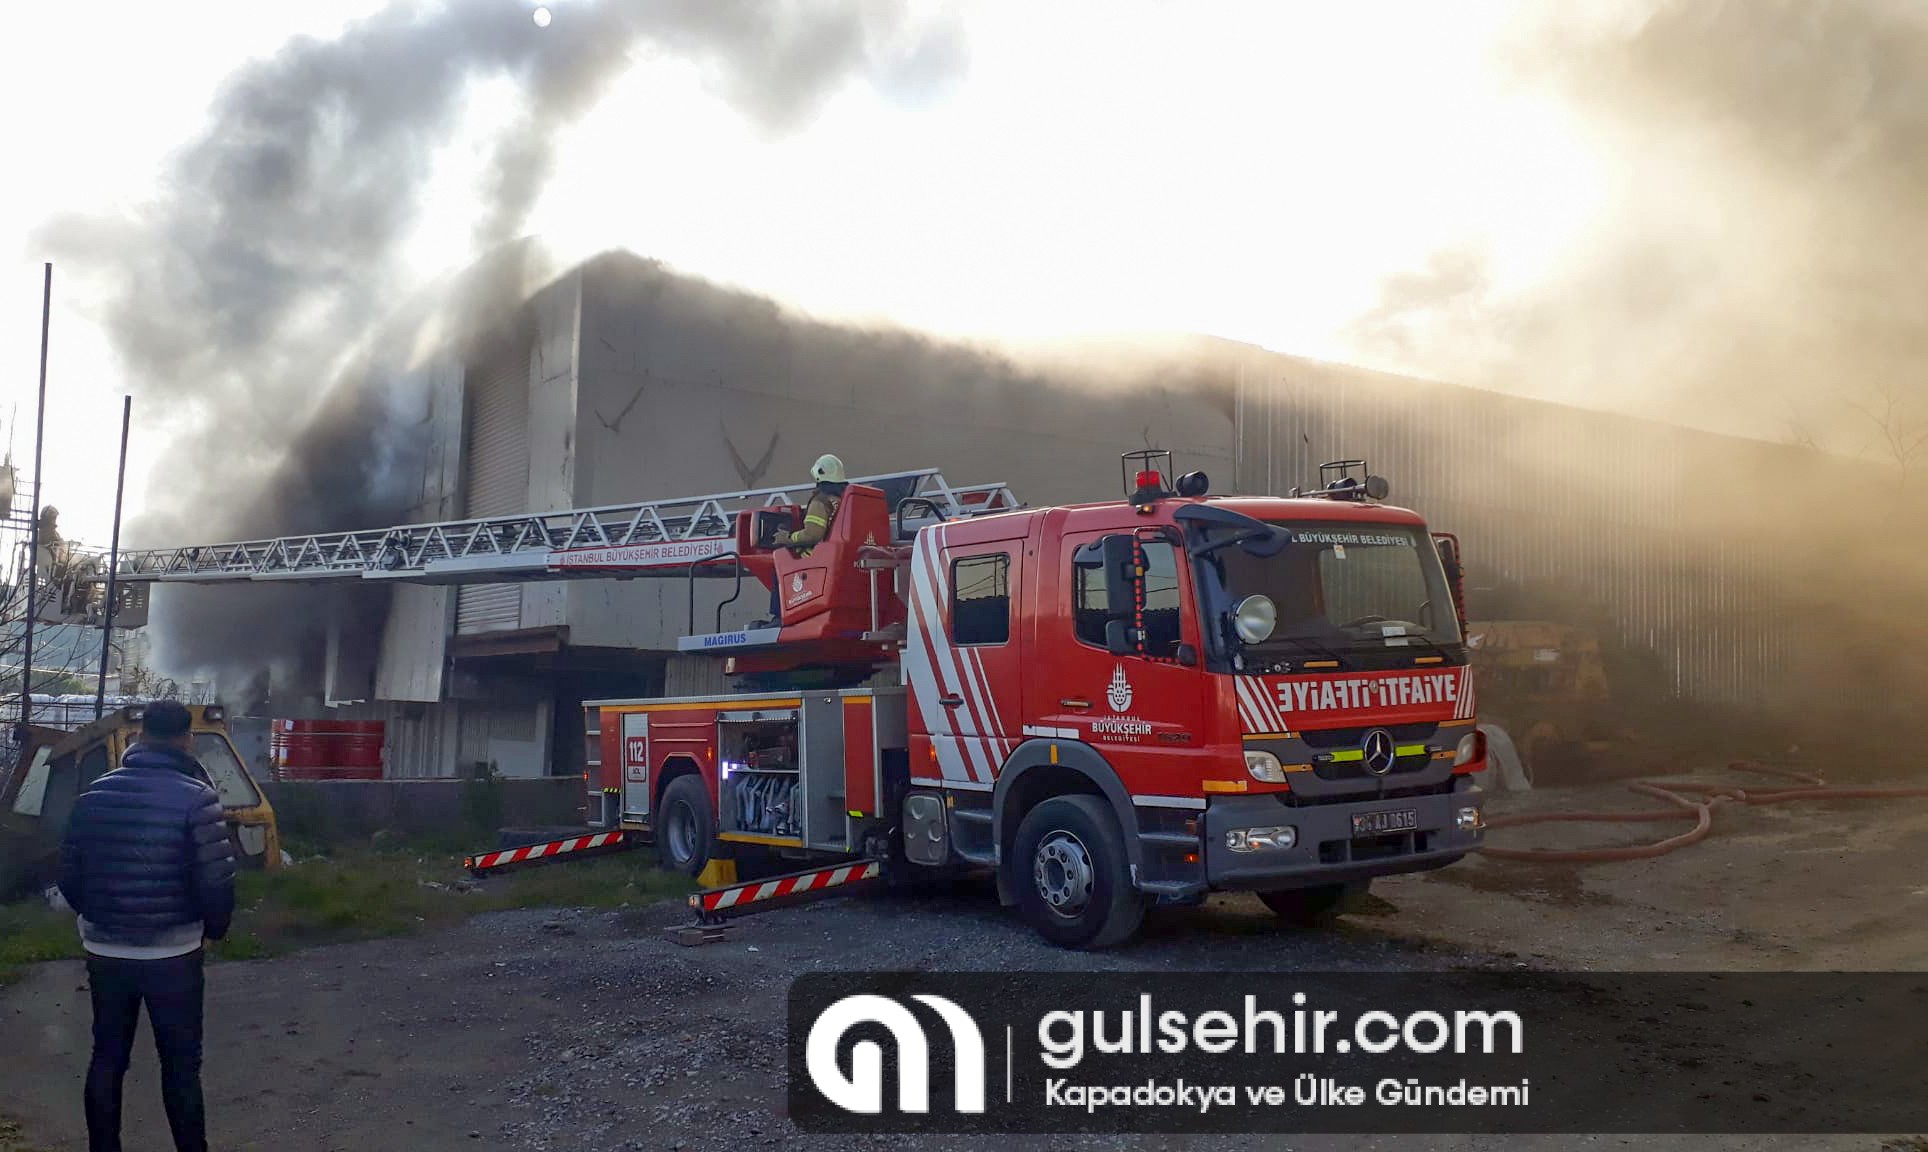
861 1089
1118 695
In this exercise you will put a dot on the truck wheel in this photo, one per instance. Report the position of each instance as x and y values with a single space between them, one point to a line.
1072 876
1314 907
685 826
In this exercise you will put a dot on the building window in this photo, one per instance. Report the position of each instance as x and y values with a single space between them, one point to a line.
981 600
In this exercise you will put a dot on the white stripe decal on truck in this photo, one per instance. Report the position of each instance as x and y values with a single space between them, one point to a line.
923 674
925 597
971 677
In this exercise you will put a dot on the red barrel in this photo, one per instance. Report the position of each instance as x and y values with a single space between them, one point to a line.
327 749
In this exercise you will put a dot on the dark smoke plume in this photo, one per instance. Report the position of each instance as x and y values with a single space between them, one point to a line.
259 278
1758 268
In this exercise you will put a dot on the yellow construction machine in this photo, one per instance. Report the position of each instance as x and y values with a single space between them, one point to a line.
53 766
1545 683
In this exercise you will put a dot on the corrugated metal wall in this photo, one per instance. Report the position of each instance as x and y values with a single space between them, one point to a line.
418 740
496 471
1663 535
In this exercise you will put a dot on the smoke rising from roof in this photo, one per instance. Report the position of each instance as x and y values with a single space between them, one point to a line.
1755 269
251 285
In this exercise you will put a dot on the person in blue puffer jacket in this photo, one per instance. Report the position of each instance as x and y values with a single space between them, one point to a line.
147 863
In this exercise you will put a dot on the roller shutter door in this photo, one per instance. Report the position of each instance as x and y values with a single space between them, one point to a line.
496 463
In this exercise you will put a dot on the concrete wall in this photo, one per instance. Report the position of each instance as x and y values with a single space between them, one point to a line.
414 642
688 389
648 385
437 726
553 427
340 811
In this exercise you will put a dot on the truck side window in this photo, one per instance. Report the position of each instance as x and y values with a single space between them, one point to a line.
93 766
1161 600
981 600
1088 595
1161 597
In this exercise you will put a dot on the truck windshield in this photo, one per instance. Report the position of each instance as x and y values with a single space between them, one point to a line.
1341 588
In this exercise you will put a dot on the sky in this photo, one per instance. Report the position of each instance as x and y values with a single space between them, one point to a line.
1249 170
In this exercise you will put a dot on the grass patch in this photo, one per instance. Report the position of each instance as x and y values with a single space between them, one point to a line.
387 892
31 932
361 895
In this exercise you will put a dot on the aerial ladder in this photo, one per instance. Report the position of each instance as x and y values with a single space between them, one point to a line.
721 535
644 538
830 621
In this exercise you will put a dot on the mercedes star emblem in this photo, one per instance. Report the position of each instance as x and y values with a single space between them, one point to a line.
1379 751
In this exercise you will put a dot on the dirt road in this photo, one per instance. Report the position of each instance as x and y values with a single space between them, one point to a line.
1837 886
580 1030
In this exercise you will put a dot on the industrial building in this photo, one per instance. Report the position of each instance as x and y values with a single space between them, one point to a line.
620 380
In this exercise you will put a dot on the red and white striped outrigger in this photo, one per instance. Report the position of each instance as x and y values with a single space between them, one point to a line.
578 846
716 904
712 905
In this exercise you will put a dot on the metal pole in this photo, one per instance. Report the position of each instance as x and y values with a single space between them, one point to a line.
33 533
113 563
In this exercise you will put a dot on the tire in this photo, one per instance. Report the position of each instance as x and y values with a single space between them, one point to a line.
1072 876
1542 745
1314 907
685 826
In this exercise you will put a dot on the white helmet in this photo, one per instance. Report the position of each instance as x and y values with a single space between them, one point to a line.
827 470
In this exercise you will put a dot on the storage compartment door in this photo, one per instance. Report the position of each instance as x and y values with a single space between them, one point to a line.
635 765
825 825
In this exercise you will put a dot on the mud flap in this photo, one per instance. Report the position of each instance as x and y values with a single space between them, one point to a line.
1500 749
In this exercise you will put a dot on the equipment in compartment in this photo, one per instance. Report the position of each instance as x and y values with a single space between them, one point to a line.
761 790
768 804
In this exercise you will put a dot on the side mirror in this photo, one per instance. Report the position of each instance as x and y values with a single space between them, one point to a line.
1118 639
1266 545
1448 546
1121 579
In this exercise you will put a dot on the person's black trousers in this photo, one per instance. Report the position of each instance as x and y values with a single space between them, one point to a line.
172 990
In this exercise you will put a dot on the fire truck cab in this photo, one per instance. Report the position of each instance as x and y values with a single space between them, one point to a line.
1109 704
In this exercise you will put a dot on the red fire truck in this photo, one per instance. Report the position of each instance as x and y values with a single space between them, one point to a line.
1111 705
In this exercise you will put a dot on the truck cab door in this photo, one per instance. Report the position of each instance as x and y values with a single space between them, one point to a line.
1143 708
962 659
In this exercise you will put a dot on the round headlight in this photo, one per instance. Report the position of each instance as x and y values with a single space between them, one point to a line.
1255 617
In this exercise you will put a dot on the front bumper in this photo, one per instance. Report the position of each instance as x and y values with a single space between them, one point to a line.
1325 851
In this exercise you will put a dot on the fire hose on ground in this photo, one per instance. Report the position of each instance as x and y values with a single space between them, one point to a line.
1688 800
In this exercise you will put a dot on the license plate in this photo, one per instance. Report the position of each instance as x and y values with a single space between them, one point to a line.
1375 823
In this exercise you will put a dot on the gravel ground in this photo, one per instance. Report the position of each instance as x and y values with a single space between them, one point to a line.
580 1030
591 1031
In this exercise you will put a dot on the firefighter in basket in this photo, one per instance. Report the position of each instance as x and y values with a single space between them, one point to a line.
818 513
